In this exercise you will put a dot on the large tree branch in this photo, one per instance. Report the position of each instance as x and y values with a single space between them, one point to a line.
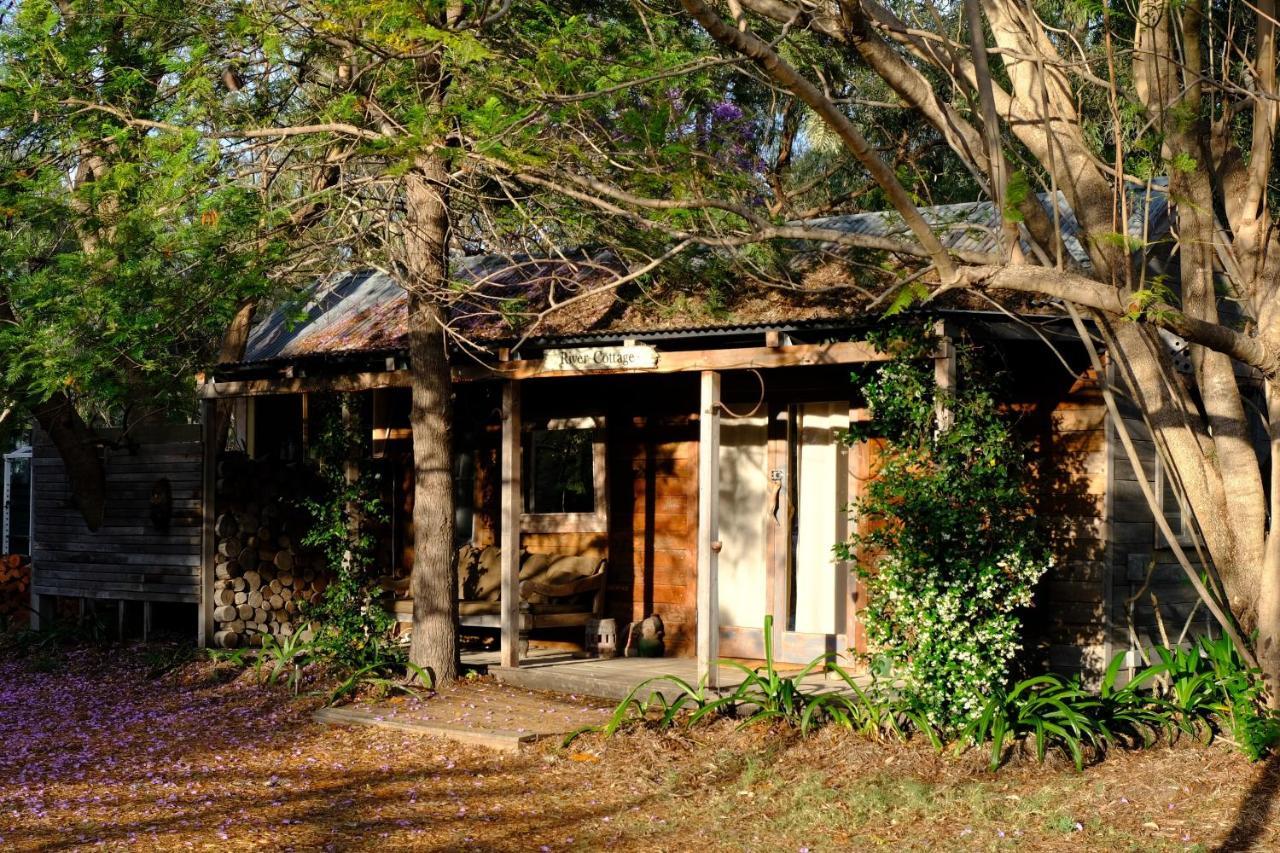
616 201
1168 80
856 30
1265 107
1247 349
767 59
331 128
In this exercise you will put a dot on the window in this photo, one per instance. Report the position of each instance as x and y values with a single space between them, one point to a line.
564 476
464 493
560 475
17 501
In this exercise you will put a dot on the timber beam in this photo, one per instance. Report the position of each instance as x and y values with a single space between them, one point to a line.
708 627
684 361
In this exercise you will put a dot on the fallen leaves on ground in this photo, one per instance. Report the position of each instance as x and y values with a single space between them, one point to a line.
96 755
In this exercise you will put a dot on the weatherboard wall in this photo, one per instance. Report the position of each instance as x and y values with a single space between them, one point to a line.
1062 416
129 557
1151 603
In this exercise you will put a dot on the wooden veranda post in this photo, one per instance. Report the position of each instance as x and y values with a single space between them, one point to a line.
944 376
208 487
709 528
512 508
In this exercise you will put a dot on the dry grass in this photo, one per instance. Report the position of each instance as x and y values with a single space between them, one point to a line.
97 755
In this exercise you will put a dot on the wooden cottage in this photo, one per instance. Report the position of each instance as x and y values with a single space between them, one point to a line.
671 452
695 460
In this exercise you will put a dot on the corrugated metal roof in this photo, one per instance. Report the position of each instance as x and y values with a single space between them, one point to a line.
358 311
975 226
720 328
367 311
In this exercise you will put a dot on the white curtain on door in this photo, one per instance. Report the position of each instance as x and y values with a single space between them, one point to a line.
744 482
822 490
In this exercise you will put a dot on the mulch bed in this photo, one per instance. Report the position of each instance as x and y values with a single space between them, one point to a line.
97 755
483 704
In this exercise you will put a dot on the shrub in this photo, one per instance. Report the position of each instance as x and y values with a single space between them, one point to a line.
1208 689
287 656
1046 709
394 673
352 627
950 524
1202 691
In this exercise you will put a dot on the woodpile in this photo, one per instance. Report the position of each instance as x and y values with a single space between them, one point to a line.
262 578
15 586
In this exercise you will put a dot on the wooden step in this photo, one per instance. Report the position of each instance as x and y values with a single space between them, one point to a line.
499 739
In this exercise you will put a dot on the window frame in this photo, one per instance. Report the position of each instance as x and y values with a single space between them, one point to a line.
1178 523
596 521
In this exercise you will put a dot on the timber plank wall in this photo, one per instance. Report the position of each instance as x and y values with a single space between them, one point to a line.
1152 602
653 543
128 557
1066 422
1115 586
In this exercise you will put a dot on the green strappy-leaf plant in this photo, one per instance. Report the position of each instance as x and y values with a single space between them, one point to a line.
287 655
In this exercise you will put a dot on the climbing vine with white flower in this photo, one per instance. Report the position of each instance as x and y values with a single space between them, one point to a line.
951 555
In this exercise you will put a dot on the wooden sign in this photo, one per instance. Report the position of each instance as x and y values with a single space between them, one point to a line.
587 359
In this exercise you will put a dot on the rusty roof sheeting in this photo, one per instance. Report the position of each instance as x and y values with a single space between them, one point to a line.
367 311
359 311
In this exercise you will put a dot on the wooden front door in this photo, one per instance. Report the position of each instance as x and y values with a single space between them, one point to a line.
784 493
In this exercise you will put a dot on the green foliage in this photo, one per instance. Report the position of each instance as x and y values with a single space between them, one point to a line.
124 253
56 634
352 626
286 656
1202 691
908 295
1208 689
163 658
1184 162
238 658
1145 303
1116 240
43 648
767 696
1016 191
1047 709
393 674
951 525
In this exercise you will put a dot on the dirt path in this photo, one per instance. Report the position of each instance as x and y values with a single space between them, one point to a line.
96 756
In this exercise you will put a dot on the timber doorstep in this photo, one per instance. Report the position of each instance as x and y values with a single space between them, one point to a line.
499 739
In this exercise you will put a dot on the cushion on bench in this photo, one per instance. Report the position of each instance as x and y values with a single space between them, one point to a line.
550 571
494 608
479 573
480 576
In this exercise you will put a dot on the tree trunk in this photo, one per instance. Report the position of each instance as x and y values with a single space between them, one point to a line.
234 343
434 641
1268 644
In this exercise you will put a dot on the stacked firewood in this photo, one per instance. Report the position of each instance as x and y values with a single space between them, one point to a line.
262 578
15 585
